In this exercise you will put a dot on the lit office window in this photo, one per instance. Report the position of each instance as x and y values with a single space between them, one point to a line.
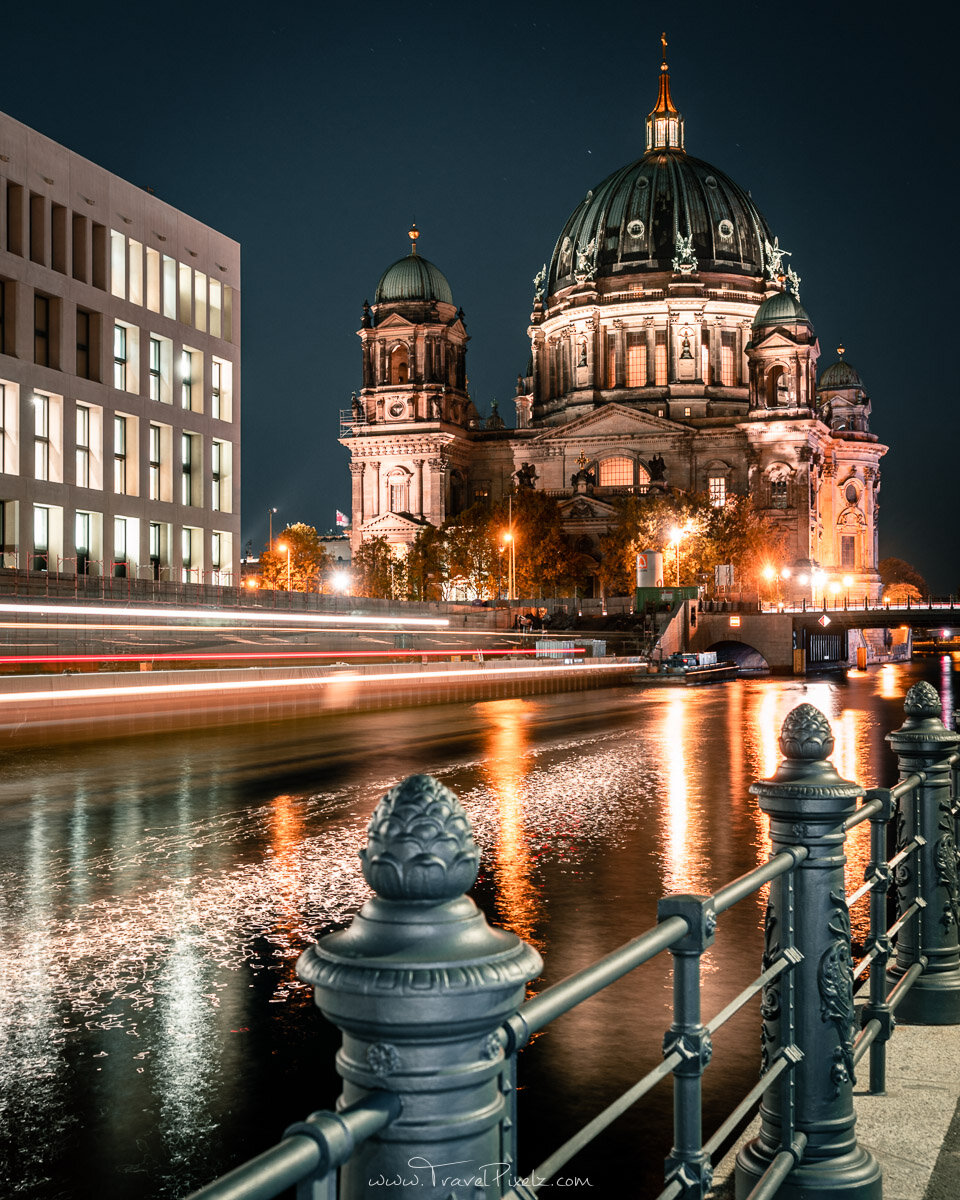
41 437
83 446
216 451
154 462
120 455
155 368
186 463
120 357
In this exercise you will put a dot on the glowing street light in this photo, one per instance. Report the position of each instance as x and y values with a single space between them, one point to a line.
281 546
676 536
340 581
511 562
271 513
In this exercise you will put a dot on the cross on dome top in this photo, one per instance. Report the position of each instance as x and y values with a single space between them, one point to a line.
664 124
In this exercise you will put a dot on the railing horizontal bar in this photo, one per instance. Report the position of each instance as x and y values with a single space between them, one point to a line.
554 1001
673 1189
773 868
906 981
865 962
769 1182
866 1035
561 1156
906 785
861 891
904 853
863 813
267 1175
748 993
745 1105
899 924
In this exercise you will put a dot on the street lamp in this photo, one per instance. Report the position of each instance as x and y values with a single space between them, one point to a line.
676 536
270 515
511 563
281 546
500 550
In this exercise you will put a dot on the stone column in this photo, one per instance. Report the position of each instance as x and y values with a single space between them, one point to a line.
375 477
808 1012
418 486
420 985
356 494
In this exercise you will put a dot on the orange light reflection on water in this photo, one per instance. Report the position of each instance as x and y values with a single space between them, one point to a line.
505 767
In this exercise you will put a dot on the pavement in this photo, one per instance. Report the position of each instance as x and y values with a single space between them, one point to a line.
913 1130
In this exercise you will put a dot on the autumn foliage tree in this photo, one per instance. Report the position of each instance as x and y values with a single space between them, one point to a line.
309 561
377 571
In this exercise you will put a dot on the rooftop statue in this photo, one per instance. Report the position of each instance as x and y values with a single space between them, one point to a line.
684 260
774 256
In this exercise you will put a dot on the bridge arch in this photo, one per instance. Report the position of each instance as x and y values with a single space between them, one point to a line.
747 657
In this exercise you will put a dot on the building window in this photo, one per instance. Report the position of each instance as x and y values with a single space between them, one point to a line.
41 537
616 472
41 437
82 539
778 493
727 374
191 379
611 362
154 462
118 264
83 344
119 547
41 331
186 464
686 411
3 317
216 453
83 446
398 495
120 357
155 544
717 490
120 455
660 361
4 432
155 368
848 551
636 360
216 381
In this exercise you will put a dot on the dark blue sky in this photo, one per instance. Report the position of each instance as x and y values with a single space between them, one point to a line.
313 133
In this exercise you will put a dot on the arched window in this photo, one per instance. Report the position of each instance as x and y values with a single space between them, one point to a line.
398 491
399 365
778 389
616 472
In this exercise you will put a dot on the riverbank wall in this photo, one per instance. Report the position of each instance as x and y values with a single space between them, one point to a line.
41 709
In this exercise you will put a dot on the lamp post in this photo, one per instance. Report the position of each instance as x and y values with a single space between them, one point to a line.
281 546
676 536
500 550
511 563
270 516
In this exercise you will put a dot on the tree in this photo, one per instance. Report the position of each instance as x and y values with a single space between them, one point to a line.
546 563
895 570
470 550
377 571
309 561
900 593
425 565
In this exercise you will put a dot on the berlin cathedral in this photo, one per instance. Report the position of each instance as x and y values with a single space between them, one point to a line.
669 350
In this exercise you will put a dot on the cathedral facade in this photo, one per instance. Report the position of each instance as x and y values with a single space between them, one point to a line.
669 350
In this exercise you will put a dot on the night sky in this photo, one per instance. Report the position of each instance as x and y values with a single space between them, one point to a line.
315 133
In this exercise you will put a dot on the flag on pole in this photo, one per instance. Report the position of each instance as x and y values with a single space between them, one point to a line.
342 518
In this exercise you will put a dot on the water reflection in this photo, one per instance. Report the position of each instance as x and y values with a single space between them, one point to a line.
152 901
505 766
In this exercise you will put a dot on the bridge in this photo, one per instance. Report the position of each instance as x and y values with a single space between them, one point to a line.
803 638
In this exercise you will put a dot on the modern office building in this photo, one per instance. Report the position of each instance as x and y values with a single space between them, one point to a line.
119 375
669 351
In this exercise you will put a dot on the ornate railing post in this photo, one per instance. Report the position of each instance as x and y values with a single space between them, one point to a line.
810 1016
419 984
923 745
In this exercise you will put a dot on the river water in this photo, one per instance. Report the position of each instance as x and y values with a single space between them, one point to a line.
156 892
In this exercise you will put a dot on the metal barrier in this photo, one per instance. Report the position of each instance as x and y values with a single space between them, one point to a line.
428 996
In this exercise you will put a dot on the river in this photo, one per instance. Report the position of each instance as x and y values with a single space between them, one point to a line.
156 892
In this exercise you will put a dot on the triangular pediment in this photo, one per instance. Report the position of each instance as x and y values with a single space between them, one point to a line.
611 420
392 526
395 321
779 339
586 508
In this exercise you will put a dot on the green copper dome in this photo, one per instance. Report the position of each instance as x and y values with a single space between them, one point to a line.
782 308
629 223
840 374
413 278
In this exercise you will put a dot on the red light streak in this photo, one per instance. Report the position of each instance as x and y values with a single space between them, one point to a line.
340 655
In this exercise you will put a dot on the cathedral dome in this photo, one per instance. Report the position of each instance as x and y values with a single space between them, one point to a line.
841 374
782 308
413 278
629 223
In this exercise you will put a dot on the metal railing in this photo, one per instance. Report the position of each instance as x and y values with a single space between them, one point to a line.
429 997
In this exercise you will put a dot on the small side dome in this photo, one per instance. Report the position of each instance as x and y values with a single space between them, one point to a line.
413 278
782 308
841 374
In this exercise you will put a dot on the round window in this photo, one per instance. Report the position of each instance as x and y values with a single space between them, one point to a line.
636 229
725 229
396 409
710 181
851 493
